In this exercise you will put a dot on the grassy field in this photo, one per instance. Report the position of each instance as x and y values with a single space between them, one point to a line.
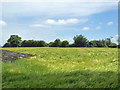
62 68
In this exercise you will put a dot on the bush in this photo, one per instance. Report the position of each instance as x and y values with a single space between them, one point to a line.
29 43
50 44
113 45
71 45
41 44
97 43
64 44
56 43
32 43
91 44
6 45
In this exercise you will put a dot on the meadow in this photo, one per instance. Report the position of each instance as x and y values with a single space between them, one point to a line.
53 67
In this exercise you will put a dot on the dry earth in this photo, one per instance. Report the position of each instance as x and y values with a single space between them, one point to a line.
11 56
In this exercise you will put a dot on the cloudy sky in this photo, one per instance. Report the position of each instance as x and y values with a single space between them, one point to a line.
51 19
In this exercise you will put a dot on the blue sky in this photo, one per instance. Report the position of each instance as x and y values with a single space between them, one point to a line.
51 19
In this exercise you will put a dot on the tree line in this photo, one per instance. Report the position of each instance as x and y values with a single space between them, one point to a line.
79 41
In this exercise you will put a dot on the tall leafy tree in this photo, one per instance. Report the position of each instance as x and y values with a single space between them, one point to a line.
80 41
14 41
64 43
91 44
50 44
41 44
108 41
56 43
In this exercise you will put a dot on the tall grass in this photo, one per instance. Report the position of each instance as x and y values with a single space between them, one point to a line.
62 68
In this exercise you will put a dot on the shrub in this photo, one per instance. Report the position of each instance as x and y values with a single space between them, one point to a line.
6 45
64 44
56 43
113 45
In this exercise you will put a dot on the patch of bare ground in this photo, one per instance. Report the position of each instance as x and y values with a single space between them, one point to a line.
11 56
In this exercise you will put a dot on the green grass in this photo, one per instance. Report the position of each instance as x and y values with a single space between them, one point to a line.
62 68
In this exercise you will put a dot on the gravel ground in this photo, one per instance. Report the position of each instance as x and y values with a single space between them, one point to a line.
11 56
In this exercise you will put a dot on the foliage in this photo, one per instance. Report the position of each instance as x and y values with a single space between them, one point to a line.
71 45
108 41
118 46
6 45
29 43
80 41
64 43
41 44
101 43
50 44
13 41
113 45
91 44
56 43
97 43
32 43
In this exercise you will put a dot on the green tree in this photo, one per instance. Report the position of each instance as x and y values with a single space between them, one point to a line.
24 43
29 43
6 45
104 43
56 43
80 41
33 43
41 44
50 44
91 44
108 41
64 43
14 41
71 45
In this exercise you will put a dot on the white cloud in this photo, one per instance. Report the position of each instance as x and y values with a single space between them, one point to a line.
39 25
98 27
2 23
72 21
86 28
53 8
109 23
50 22
115 39
62 21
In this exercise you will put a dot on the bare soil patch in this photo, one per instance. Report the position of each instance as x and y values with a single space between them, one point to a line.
11 56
